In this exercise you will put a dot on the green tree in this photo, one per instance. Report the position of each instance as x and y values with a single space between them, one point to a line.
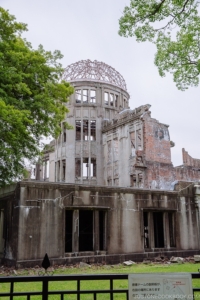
32 97
174 27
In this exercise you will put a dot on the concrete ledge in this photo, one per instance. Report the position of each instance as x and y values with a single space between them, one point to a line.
104 259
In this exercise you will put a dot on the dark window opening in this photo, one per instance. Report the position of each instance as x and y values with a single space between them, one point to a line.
110 182
77 167
146 230
64 137
58 170
116 100
85 96
93 96
102 230
63 170
78 130
85 130
133 180
93 167
158 230
124 104
85 230
68 230
111 99
171 230
140 177
86 167
92 130
78 96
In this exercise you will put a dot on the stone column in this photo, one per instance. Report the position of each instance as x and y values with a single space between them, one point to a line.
75 233
166 230
151 230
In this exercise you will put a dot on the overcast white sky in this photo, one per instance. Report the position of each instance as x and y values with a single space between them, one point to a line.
88 29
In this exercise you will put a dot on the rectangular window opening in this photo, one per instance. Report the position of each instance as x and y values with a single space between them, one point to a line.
158 230
132 138
78 130
64 137
85 130
133 180
109 182
47 169
63 169
78 96
116 100
92 96
58 170
106 98
68 230
85 96
86 167
93 167
77 167
111 99
92 130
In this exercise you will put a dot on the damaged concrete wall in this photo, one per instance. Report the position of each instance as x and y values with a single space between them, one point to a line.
143 150
77 155
9 200
187 216
144 156
123 220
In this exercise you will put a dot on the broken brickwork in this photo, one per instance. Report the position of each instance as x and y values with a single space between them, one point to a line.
111 144
144 153
190 170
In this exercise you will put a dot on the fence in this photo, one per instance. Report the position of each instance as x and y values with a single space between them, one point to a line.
78 292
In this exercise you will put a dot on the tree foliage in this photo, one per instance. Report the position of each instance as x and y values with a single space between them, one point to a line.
32 97
174 26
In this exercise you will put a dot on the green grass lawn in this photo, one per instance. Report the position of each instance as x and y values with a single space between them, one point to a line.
103 284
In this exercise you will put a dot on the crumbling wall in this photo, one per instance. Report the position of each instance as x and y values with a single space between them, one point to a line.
40 220
189 160
190 170
156 141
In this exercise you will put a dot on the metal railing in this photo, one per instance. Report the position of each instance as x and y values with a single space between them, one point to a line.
79 279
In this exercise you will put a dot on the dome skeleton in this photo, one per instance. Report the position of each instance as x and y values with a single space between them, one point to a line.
94 71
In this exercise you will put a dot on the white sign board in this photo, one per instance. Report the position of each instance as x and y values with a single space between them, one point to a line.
173 286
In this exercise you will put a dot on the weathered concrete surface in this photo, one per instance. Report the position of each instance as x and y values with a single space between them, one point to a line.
39 226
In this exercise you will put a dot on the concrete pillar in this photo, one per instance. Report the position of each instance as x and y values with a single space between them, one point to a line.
96 230
166 230
75 233
151 230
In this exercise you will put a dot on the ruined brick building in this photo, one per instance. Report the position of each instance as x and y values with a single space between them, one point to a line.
111 144
107 189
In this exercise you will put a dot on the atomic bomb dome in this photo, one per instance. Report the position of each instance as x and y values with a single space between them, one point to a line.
94 71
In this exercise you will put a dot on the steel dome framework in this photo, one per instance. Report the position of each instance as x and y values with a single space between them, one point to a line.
94 71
